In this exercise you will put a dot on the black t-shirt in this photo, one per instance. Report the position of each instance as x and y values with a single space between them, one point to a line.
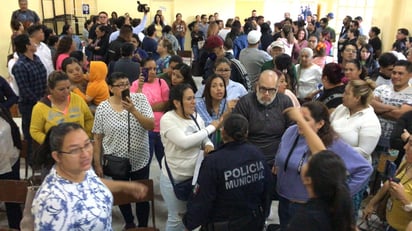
332 98
313 217
376 43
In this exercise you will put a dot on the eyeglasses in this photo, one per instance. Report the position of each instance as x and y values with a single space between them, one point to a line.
121 85
223 70
75 151
263 90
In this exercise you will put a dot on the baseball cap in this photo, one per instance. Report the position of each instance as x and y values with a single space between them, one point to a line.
330 15
213 42
277 44
253 37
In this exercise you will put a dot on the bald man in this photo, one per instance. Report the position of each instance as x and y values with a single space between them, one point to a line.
264 110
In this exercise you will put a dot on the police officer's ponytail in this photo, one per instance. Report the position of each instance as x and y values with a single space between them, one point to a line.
236 126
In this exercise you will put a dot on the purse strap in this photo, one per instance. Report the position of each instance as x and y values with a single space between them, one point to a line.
194 119
128 132
169 172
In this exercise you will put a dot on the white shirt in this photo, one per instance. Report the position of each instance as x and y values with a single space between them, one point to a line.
44 53
13 82
360 130
9 154
182 141
308 80
387 95
136 30
223 33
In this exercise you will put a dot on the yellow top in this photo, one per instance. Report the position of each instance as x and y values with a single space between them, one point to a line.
395 214
45 116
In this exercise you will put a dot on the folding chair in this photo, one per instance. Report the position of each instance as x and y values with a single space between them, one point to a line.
122 198
13 191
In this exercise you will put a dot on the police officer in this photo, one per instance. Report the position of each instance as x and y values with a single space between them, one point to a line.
231 190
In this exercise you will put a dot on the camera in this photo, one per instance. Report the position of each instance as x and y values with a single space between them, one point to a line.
142 7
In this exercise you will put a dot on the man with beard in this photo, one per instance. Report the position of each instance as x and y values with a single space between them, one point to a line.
264 110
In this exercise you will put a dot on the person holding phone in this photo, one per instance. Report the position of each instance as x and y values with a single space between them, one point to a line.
112 135
399 205
156 91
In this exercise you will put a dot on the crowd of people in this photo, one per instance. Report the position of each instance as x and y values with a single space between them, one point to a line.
298 114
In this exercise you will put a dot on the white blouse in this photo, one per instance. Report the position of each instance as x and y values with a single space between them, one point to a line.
360 130
9 154
308 80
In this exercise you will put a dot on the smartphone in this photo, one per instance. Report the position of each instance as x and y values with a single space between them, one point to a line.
145 74
390 170
125 93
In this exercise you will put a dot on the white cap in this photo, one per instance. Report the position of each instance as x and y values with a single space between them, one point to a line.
253 37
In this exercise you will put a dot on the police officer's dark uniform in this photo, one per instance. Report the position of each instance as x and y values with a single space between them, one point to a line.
231 190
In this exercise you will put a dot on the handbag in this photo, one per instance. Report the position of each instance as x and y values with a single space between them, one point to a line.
183 190
115 166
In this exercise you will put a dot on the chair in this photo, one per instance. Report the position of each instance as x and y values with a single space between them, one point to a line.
122 198
13 191
186 56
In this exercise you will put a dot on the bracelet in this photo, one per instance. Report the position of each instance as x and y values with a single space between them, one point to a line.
408 207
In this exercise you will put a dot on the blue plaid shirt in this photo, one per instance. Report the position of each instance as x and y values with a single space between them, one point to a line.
31 78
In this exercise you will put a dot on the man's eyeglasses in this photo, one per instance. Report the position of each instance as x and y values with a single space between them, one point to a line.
121 85
75 151
263 90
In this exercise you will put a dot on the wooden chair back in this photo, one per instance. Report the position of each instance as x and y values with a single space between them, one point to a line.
122 198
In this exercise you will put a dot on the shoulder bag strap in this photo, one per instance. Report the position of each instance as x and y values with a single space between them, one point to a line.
128 132
169 173
194 119
290 152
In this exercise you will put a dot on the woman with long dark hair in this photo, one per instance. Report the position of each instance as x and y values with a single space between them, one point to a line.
329 205
68 31
213 104
367 60
296 149
183 135
182 74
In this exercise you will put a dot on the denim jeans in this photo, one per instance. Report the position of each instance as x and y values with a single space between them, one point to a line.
175 207
156 146
13 210
25 111
181 41
142 208
195 51
286 210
